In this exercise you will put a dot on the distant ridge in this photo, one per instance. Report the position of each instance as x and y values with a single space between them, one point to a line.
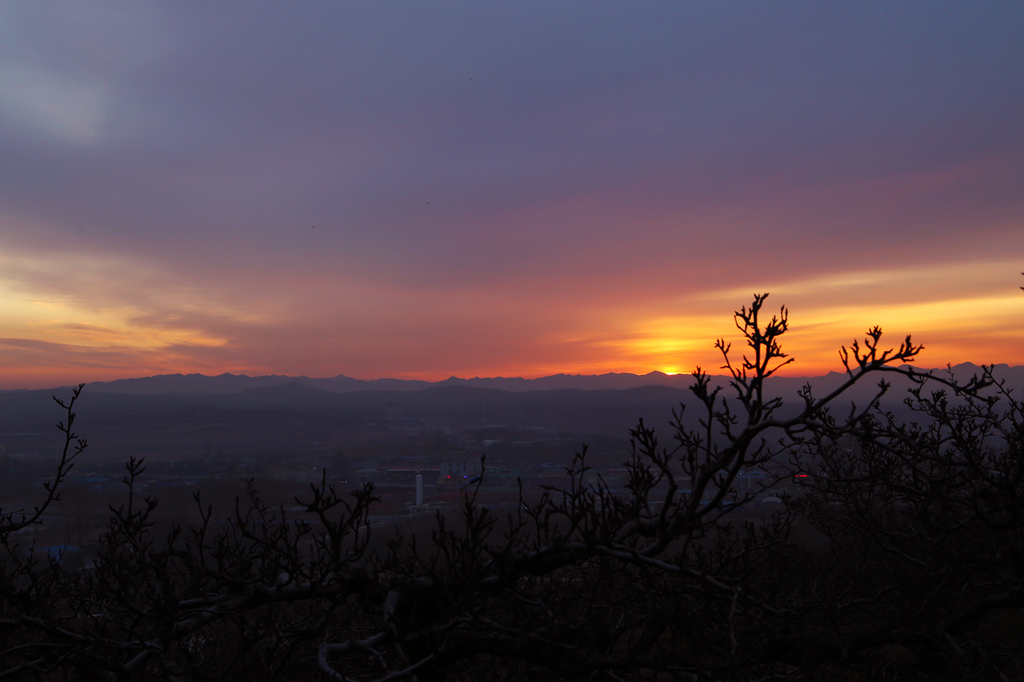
606 405
236 383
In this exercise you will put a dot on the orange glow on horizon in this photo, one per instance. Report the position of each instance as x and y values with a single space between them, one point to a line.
49 341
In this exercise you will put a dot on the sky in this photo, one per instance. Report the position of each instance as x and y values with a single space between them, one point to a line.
421 190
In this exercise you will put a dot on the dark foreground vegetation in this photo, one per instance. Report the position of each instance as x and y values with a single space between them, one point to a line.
898 555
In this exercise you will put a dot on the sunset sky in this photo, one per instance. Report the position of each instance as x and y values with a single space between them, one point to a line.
427 189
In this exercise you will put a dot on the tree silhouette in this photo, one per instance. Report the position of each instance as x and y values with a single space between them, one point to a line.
914 566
